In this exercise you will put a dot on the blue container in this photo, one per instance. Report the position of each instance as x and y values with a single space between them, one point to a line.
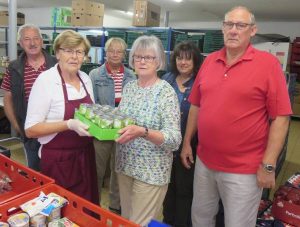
154 223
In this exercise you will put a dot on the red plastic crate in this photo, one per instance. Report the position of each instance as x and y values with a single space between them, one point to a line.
79 210
24 179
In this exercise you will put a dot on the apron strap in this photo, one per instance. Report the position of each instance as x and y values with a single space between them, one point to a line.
64 84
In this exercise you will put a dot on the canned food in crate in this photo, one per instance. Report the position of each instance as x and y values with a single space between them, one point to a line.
38 220
19 220
55 214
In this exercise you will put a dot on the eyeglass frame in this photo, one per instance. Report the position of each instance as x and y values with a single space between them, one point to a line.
71 52
239 25
117 52
148 59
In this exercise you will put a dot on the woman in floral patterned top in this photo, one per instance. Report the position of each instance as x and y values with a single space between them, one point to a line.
144 160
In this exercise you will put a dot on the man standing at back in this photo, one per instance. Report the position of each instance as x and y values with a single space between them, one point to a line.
17 83
241 108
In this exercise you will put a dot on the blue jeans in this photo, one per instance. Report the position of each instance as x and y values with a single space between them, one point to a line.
31 152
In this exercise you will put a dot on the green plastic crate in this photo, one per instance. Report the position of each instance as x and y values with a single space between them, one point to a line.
94 130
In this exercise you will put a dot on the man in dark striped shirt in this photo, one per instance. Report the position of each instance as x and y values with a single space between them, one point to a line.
17 83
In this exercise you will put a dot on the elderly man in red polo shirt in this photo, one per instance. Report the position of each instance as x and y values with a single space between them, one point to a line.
240 106
17 83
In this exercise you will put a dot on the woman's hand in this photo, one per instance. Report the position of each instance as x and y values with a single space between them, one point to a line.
129 133
80 128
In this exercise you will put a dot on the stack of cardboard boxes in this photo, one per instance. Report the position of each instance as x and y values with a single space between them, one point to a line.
146 14
87 13
4 18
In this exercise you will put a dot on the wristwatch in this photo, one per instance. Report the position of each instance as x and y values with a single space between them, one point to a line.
268 167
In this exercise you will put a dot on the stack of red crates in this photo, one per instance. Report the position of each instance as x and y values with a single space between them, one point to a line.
24 180
27 184
295 57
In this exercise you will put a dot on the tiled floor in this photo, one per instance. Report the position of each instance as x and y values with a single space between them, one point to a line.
291 165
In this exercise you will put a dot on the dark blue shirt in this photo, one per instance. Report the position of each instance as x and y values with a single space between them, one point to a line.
183 101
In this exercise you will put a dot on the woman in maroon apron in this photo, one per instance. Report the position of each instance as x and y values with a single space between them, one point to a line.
68 157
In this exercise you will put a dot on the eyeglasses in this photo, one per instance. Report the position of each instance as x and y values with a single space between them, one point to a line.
148 59
70 52
239 26
117 52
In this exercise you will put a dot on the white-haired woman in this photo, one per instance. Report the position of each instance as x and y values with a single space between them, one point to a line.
144 160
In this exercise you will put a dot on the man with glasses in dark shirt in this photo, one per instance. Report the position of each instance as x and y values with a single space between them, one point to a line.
240 107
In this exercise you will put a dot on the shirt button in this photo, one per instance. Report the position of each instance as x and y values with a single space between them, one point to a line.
181 113
225 75
184 99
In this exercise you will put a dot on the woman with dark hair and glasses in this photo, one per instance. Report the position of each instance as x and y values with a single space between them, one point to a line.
185 63
144 158
67 151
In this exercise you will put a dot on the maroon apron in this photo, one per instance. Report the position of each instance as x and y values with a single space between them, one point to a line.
69 158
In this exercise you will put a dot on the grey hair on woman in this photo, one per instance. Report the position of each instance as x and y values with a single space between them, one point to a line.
146 43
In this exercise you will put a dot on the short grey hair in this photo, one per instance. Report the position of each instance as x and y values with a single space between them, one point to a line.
115 40
28 26
252 18
146 43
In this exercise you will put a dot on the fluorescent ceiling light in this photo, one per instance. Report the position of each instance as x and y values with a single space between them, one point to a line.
178 0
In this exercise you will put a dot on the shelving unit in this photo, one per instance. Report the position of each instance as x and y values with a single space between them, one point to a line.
169 37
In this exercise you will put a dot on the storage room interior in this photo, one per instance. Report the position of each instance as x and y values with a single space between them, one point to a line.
278 24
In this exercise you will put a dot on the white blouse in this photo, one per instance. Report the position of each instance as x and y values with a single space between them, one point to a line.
46 99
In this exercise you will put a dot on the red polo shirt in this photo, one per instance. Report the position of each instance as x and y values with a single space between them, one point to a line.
235 105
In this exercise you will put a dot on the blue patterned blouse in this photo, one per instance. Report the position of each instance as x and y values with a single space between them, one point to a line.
157 108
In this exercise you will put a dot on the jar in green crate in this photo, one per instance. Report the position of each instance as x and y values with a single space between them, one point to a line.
106 122
128 121
118 122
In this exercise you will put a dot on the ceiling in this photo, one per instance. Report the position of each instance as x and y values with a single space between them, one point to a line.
191 10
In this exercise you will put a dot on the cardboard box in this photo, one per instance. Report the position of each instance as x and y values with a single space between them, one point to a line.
280 50
87 7
146 14
4 18
80 19
61 17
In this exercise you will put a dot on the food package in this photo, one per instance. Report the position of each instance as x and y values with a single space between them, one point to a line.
4 182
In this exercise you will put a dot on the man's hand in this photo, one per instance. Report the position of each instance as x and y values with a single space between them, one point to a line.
186 155
265 179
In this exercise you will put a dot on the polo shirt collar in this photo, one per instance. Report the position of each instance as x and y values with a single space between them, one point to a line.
248 55
121 69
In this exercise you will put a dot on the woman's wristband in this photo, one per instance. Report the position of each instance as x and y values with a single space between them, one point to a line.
146 132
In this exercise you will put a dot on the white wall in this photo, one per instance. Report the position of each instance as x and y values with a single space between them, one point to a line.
42 17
